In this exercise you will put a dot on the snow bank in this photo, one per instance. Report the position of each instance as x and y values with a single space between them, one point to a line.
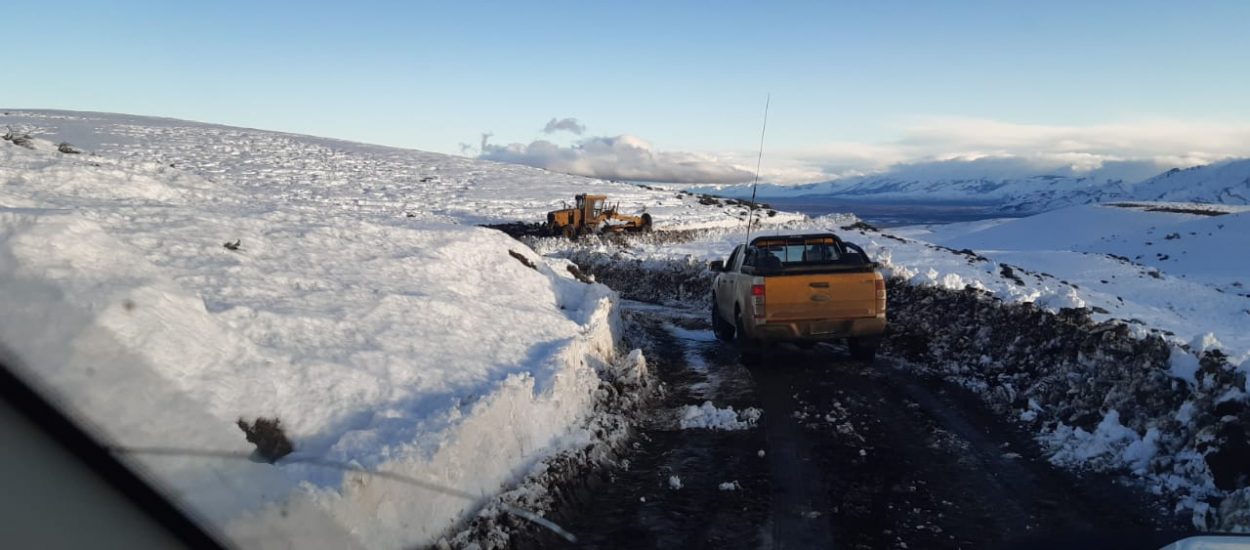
1110 442
125 350
413 346
1097 395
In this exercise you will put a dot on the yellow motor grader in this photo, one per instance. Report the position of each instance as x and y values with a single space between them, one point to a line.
592 214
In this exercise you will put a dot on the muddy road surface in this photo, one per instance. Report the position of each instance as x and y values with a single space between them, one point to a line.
812 449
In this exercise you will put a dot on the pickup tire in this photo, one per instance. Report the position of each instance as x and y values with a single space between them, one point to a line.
720 327
864 348
752 353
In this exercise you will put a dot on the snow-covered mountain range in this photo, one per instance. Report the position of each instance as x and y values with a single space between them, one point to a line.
1223 183
1226 182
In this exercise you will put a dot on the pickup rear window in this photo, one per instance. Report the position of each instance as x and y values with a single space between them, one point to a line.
803 254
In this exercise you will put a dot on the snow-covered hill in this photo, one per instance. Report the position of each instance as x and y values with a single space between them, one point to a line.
1173 267
1223 183
361 307
313 173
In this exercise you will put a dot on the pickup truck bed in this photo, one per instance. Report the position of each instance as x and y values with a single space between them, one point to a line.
821 306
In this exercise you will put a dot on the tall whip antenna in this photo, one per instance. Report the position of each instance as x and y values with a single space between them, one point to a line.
755 184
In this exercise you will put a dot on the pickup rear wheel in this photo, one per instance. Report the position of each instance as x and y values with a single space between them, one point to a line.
864 348
720 327
752 353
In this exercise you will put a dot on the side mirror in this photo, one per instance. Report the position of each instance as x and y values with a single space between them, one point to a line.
716 265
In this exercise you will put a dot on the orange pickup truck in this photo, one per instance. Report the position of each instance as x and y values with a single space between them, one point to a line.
799 288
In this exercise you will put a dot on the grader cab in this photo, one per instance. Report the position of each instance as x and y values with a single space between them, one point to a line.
593 214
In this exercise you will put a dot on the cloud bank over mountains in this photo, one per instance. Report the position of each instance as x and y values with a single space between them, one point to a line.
931 146
623 157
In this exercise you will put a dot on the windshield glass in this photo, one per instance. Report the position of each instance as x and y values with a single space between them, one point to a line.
449 274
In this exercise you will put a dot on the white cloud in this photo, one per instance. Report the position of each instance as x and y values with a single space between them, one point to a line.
968 146
622 157
1141 139
571 125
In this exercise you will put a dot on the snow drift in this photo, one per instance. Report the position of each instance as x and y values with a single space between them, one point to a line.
379 329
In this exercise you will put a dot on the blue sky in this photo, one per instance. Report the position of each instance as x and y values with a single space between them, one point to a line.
856 85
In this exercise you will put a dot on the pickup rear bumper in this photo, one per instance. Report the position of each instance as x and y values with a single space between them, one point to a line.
814 330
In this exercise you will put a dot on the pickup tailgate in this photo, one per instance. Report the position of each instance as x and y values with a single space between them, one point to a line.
802 297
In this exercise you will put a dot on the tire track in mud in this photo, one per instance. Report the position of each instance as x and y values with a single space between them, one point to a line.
634 505
910 462
799 504
799 501
855 456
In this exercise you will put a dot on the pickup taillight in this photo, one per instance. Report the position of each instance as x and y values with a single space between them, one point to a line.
880 297
757 301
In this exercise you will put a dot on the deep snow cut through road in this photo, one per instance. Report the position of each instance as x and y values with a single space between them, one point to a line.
844 454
